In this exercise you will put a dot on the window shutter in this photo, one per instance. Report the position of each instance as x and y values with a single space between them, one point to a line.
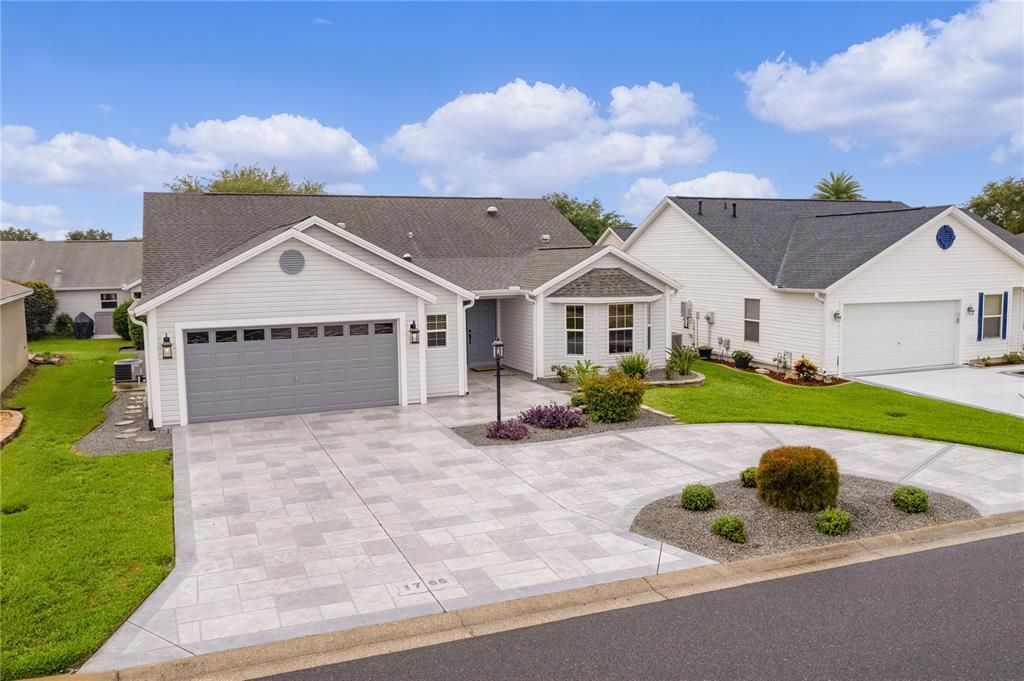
981 312
1006 305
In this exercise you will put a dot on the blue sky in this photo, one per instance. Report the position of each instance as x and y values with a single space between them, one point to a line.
619 101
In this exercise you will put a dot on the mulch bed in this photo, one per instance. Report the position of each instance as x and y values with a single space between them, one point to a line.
477 433
780 376
770 530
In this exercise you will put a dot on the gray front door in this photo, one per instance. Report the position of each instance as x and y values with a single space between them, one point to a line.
265 371
481 330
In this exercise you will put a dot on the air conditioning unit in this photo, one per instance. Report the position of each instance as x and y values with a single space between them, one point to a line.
128 370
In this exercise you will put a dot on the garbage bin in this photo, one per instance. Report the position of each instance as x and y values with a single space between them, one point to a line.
83 326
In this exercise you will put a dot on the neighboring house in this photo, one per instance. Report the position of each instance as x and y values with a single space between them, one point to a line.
87 276
614 236
855 286
279 304
13 346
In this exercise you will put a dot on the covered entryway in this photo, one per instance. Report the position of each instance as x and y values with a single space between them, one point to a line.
481 330
233 373
880 337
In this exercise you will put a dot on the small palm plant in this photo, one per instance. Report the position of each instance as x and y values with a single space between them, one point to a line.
841 187
678 360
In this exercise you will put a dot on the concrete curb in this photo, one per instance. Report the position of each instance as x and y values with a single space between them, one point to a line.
378 639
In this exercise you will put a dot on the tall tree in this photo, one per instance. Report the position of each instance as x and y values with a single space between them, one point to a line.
12 233
1001 203
589 217
88 235
246 180
841 187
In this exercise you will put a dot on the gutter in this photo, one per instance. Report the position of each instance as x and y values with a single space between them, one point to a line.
145 350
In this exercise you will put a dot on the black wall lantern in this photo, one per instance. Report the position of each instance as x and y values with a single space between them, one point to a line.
414 334
165 348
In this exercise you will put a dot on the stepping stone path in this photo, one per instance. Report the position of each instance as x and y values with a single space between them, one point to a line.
131 430
124 436
126 422
144 439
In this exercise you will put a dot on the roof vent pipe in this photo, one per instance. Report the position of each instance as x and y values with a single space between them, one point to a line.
492 210
545 238
734 209
407 257
700 208
410 235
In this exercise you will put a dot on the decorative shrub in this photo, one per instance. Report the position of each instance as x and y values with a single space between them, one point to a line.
613 397
562 371
679 360
1013 357
697 498
584 371
39 308
557 416
136 333
577 399
798 479
729 526
742 358
507 429
121 321
833 522
805 369
64 326
635 365
748 477
910 499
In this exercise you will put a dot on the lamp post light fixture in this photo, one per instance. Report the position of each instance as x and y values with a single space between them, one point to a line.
414 334
498 350
166 348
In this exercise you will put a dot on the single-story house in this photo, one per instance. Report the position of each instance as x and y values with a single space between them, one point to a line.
614 236
267 304
93 277
854 286
13 346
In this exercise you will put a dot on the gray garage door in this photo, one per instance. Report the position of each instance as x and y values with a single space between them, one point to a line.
265 371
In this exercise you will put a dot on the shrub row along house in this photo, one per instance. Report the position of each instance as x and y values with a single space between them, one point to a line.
93 277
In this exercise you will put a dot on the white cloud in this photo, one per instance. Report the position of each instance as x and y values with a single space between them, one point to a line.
644 194
104 107
303 146
1013 150
526 138
41 215
917 90
345 188
651 104
320 21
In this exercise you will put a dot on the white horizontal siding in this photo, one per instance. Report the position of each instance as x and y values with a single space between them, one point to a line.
918 270
73 302
515 327
716 281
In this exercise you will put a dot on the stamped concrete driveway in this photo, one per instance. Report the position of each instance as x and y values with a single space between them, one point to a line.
297 525
998 389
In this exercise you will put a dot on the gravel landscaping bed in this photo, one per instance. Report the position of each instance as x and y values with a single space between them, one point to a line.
477 433
769 530
132 435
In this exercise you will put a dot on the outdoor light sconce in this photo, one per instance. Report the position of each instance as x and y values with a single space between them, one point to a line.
970 310
165 348
498 349
414 334
837 315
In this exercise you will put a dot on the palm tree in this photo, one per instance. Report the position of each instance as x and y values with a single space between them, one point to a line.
841 187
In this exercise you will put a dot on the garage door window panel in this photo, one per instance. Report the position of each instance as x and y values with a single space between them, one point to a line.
334 331
197 337
254 335
307 332
383 328
992 316
751 320
228 336
359 329
281 333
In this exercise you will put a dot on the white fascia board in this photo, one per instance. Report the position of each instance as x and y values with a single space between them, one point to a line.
315 221
604 299
985 233
131 285
581 267
500 293
609 238
16 296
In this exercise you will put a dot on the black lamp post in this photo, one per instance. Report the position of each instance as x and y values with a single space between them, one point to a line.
498 350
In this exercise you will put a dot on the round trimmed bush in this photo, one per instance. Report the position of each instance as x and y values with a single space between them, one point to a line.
577 399
798 479
748 477
833 522
64 326
729 526
697 498
613 397
507 429
910 499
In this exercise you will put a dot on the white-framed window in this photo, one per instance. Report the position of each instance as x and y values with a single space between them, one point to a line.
992 316
620 328
751 320
437 330
108 301
574 329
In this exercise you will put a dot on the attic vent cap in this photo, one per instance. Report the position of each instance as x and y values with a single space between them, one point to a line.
545 238
492 210
407 256
341 224
291 261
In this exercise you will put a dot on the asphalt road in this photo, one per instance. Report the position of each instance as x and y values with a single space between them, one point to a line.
951 613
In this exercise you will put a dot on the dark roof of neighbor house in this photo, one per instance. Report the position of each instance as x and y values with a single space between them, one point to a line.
613 282
456 238
623 232
67 265
809 243
10 290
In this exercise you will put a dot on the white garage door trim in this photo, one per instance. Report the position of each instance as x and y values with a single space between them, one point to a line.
181 327
926 331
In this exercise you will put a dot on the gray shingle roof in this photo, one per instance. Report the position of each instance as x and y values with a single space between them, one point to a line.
612 282
623 232
807 243
73 264
9 290
187 234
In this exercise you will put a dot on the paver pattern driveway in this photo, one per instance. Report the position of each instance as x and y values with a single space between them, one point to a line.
296 525
994 388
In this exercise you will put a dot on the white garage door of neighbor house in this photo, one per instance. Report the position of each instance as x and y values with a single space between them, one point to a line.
895 336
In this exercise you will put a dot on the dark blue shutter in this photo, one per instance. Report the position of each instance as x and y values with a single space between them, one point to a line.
1006 305
981 312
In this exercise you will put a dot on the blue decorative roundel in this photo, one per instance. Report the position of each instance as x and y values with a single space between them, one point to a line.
945 237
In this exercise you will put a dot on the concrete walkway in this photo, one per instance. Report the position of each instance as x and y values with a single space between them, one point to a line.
297 525
999 389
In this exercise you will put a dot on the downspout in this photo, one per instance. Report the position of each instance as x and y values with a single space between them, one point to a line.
823 299
465 347
532 299
145 349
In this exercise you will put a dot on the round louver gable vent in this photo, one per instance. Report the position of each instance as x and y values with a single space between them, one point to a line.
292 261
945 237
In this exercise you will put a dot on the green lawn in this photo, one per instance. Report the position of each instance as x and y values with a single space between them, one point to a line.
731 396
95 536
